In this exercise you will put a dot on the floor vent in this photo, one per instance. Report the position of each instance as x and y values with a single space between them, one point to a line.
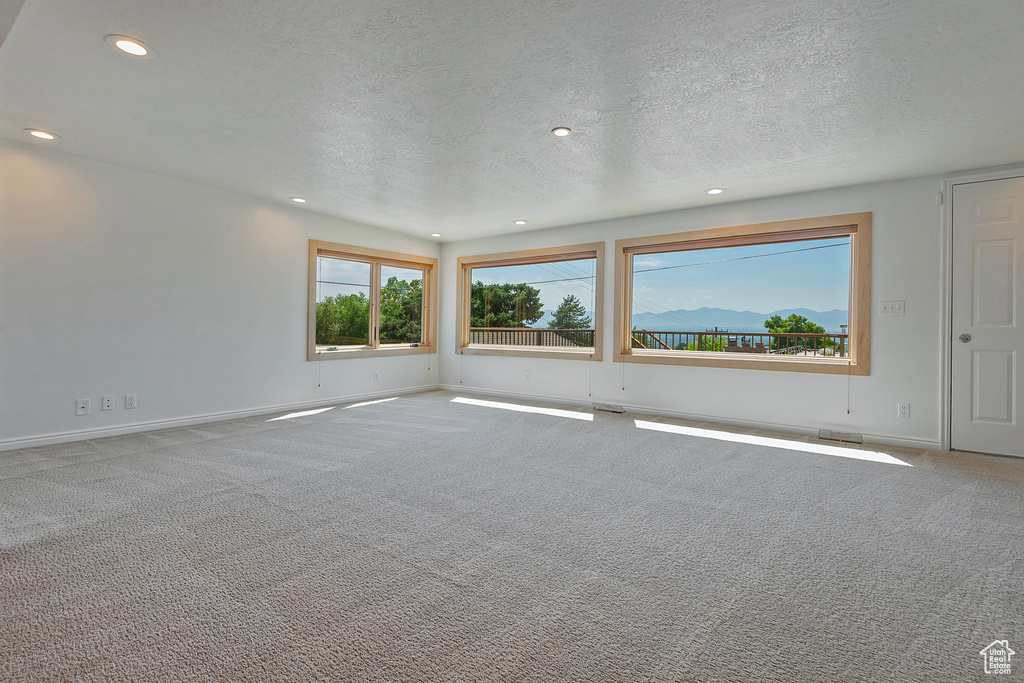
609 408
845 437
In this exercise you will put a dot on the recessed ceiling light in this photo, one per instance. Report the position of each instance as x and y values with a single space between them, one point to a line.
715 190
128 45
298 200
41 134
520 222
561 131
435 234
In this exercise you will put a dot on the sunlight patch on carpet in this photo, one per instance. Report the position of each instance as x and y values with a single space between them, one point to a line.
554 412
303 413
370 403
821 449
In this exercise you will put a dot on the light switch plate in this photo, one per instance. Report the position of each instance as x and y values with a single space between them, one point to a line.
890 308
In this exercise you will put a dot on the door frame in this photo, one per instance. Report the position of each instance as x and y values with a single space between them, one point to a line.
950 181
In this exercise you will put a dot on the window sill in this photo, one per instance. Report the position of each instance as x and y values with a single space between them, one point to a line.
368 352
822 365
530 352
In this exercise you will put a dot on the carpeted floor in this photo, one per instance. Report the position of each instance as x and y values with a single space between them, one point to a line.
424 540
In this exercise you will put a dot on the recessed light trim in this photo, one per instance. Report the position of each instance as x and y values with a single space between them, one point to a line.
714 190
298 200
561 131
520 222
42 134
129 46
435 234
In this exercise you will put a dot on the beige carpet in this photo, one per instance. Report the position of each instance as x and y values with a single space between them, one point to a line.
424 540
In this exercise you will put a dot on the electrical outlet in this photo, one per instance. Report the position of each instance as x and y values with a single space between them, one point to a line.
129 401
902 410
376 376
526 376
82 406
890 308
108 403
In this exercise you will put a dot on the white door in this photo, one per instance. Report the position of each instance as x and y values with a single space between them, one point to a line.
988 317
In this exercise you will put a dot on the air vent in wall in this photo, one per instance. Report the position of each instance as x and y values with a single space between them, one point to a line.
845 437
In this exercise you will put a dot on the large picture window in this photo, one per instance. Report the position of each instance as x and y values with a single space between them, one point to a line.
368 302
792 295
544 302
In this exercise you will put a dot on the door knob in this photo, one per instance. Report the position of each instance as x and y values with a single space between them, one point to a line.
965 337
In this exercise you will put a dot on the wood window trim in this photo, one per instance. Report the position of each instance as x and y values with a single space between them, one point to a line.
466 264
376 258
857 225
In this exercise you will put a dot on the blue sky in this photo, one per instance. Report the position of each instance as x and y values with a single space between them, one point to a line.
554 280
811 274
331 271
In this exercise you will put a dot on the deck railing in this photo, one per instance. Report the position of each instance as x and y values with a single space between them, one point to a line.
531 336
783 343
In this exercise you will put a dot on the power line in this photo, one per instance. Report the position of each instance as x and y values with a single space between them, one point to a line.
652 308
685 265
544 282
673 316
741 258
556 269
350 284
566 269
570 266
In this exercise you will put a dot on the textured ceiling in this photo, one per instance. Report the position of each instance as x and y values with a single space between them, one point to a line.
435 115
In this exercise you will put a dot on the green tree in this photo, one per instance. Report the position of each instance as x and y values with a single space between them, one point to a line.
401 312
795 324
570 315
504 305
343 320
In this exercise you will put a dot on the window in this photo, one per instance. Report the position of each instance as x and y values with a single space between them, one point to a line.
792 295
367 302
543 302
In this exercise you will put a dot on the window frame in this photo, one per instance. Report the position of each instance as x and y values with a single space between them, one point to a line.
548 255
856 225
376 258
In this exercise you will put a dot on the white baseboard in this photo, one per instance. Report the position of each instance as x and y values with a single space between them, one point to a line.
515 394
904 442
82 435
884 439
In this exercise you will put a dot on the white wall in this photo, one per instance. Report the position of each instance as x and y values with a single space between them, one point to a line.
114 281
905 356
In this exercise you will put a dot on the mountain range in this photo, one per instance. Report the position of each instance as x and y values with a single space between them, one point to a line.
548 315
700 319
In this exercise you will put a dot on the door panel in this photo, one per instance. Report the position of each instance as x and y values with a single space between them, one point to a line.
993 386
988 246
993 282
996 210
